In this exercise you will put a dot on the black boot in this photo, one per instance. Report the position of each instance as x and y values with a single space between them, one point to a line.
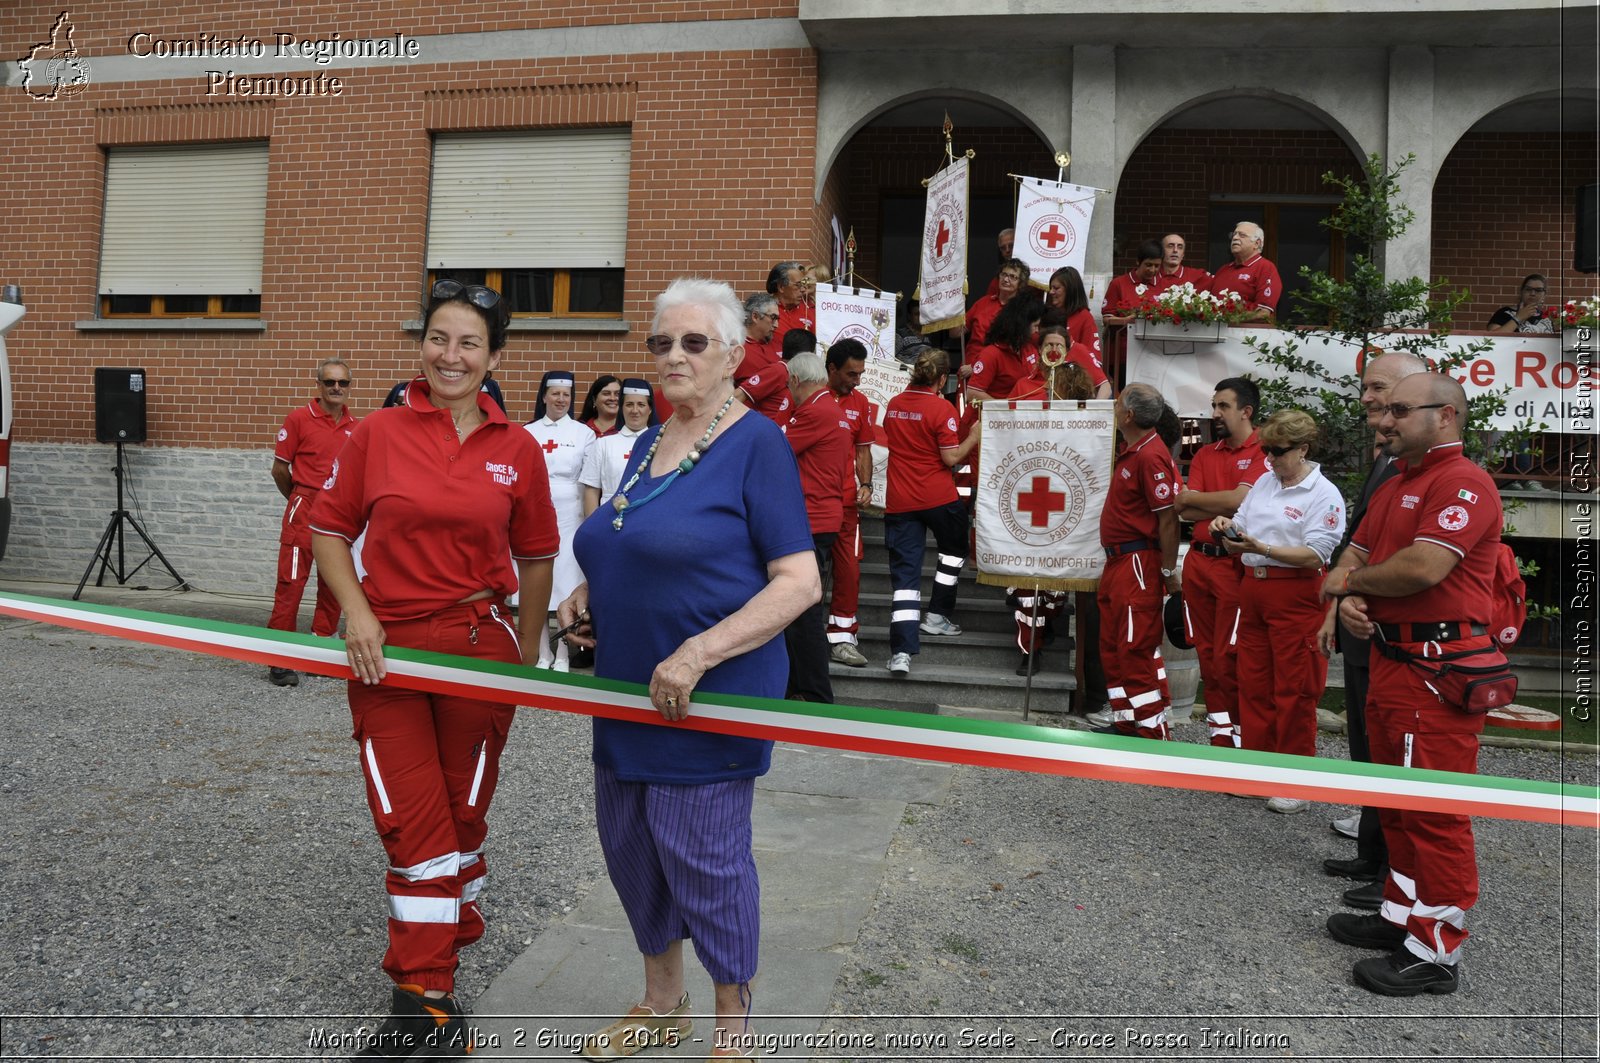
420 1028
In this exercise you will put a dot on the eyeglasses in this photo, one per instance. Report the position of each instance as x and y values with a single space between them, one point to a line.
1535 291
1279 452
692 343
479 296
1397 410
334 383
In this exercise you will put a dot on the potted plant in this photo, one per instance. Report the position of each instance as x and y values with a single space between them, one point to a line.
1184 312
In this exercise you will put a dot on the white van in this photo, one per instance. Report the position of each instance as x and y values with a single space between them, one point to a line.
11 312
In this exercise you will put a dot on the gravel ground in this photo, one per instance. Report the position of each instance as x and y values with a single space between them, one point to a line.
191 871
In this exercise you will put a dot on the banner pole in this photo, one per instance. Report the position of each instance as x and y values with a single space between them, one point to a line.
1033 647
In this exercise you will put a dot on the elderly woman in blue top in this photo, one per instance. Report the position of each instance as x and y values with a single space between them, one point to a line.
711 519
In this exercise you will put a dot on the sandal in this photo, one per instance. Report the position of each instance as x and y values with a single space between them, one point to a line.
641 1028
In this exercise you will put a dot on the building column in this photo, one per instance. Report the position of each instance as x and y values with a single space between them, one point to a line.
1094 147
1410 131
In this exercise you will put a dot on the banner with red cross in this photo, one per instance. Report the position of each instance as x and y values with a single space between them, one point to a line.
862 314
942 277
1052 229
1043 472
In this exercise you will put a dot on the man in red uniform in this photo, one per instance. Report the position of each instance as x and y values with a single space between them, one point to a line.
762 379
1418 579
311 437
1126 293
1173 271
1249 275
786 281
846 361
1219 477
820 436
1139 530
761 327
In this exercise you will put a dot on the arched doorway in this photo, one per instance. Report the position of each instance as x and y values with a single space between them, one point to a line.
875 183
1504 199
1230 159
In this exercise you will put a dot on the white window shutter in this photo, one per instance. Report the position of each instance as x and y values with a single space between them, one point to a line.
548 199
187 220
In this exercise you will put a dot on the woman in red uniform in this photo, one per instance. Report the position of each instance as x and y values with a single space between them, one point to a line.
449 493
1066 294
602 407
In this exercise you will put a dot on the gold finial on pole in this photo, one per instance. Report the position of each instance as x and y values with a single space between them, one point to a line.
1063 160
949 127
850 256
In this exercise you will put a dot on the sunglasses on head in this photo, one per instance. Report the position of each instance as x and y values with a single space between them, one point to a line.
334 383
476 294
1279 452
692 343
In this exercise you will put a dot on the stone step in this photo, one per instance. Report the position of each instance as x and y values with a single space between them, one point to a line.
932 685
989 650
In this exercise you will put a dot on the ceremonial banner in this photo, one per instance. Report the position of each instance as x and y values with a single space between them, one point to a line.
880 382
1043 472
1548 385
856 314
942 279
951 740
1052 227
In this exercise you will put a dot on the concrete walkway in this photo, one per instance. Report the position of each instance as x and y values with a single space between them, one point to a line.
823 823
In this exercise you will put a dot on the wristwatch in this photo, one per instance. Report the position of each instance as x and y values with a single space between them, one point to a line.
1168 573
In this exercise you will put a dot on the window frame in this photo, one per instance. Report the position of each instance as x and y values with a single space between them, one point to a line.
560 294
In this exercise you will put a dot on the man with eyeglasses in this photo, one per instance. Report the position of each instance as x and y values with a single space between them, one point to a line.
308 444
1418 581
1254 278
786 282
1530 314
762 380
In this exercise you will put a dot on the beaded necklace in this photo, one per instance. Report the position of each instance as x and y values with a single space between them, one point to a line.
620 500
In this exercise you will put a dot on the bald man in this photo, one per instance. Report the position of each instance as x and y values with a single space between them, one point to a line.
1418 580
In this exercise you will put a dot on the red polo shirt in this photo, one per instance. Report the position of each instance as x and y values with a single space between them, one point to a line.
820 436
1082 329
801 315
1144 481
1223 467
767 384
445 517
858 411
1450 502
1126 294
1185 275
309 441
998 370
979 318
1257 282
919 424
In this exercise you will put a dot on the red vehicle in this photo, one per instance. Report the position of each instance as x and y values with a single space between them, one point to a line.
11 311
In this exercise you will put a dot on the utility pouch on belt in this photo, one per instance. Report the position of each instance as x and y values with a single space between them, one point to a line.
1475 681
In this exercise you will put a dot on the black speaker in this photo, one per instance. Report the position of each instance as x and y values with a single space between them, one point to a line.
119 405
1585 254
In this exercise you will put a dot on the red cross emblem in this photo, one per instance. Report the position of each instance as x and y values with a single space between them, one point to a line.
1038 502
550 446
1052 236
941 239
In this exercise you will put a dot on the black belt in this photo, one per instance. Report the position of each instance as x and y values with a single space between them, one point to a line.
1442 631
1131 547
1209 549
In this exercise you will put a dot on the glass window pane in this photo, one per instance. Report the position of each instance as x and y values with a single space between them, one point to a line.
595 291
1219 226
530 291
128 304
1302 241
188 304
241 304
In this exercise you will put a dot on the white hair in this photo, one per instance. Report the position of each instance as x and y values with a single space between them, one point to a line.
727 313
807 369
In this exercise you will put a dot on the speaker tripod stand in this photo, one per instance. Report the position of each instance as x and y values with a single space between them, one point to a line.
114 531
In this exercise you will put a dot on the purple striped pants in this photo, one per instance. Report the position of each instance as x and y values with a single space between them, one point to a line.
680 858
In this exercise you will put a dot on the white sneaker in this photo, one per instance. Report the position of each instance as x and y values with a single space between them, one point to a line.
1101 717
846 654
1349 826
934 624
900 665
562 665
1288 805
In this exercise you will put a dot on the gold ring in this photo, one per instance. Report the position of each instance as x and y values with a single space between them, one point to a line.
672 702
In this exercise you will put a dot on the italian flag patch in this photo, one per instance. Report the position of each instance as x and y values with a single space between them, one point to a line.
1467 495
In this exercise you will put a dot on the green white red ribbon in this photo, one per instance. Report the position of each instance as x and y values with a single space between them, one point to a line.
1019 747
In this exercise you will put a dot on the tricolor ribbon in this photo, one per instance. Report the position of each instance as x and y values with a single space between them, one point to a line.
985 743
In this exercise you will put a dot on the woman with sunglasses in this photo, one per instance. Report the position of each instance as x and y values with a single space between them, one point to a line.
602 406
565 442
711 518
1284 531
457 515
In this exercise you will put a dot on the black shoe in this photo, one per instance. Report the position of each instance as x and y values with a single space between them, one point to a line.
1029 665
420 1028
1365 931
581 657
1368 896
1358 869
1401 974
283 677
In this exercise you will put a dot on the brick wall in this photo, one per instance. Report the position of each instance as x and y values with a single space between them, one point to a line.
722 186
1502 208
1167 184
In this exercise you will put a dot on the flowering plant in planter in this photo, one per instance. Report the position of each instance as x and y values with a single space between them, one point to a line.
1184 302
1578 313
